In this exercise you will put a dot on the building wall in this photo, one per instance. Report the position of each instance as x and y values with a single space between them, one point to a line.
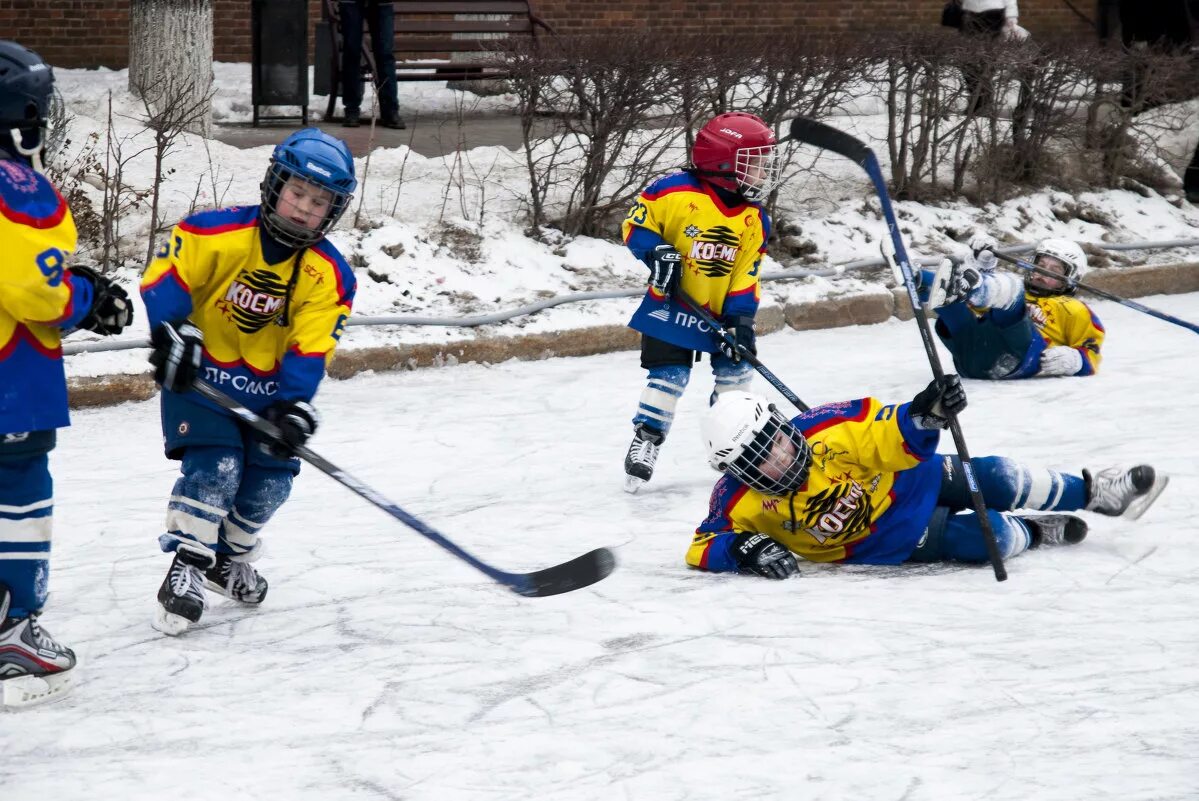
93 33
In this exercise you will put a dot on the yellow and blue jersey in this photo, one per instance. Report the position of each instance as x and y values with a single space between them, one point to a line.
722 248
1062 320
868 498
269 329
39 299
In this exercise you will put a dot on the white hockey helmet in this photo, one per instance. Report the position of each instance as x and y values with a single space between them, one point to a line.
1070 254
749 439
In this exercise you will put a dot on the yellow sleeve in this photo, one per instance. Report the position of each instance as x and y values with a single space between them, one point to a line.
181 263
645 213
869 433
1086 333
34 289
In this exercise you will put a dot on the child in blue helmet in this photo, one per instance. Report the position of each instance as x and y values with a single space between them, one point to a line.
253 301
42 298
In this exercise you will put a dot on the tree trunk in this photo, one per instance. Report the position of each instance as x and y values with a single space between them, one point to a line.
170 55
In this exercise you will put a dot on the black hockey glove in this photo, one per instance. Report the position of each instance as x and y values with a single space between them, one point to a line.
943 397
759 555
111 309
296 421
742 331
177 348
665 267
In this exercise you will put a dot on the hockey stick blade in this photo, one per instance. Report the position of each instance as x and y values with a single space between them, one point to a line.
579 572
811 132
582 571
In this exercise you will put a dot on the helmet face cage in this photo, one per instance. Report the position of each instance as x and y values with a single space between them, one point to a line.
1066 253
318 159
757 171
26 92
283 230
761 450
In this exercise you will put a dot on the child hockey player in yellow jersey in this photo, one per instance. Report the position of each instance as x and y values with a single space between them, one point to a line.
41 298
999 327
252 300
860 482
702 231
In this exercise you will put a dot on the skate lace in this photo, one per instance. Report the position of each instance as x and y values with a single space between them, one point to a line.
241 577
644 452
1113 487
185 580
1053 531
41 636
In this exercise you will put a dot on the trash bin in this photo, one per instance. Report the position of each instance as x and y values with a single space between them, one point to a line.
279 57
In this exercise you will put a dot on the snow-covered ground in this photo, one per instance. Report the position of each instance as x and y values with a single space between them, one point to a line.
381 668
428 246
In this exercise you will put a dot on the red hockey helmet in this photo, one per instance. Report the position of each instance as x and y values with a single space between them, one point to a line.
736 151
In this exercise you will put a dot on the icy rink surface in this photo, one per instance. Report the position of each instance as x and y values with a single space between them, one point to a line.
379 667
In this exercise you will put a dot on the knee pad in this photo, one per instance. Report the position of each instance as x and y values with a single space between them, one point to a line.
202 496
729 376
262 492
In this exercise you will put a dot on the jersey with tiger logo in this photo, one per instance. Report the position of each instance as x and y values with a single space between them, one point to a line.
868 498
721 245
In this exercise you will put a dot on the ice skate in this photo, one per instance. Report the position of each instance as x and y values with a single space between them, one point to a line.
642 455
1117 492
181 599
236 580
34 668
1055 529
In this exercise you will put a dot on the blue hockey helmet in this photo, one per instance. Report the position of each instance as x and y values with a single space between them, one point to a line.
26 89
315 157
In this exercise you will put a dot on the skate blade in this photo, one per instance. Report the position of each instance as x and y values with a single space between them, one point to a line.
1141 503
27 691
632 484
169 623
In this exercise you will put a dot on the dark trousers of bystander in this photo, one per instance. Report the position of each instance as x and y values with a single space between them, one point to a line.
379 16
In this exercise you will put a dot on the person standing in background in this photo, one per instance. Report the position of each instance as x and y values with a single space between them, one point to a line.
379 16
987 19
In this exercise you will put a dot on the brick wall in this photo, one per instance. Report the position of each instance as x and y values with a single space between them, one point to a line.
91 33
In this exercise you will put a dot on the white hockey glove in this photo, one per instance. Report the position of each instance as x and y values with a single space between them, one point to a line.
982 246
1060 360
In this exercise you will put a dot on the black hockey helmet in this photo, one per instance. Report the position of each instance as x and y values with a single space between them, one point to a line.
26 91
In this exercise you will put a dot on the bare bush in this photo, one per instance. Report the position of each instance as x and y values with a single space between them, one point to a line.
172 106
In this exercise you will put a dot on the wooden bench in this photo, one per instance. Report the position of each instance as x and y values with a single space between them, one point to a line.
428 33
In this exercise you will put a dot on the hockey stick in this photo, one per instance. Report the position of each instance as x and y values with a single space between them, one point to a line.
573 575
1132 304
828 138
723 334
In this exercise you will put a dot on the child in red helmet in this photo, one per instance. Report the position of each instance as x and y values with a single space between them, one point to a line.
702 231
